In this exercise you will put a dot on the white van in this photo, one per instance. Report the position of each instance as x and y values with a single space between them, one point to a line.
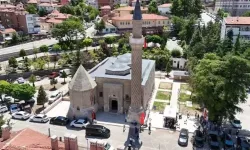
67 71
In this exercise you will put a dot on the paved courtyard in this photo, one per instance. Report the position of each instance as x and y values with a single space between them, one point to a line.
60 109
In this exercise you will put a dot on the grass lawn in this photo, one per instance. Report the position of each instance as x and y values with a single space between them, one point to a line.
163 95
184 97
159 106
165 85
185 87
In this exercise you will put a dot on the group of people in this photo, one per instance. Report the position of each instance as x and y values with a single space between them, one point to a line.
170 123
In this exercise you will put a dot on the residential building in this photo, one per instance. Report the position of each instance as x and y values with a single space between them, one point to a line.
151 23
93 3
6 34
164 9
49 7
179 63
4 2
127 10
105 10
234 7
16 17
239 26
105 3
49 21
109 28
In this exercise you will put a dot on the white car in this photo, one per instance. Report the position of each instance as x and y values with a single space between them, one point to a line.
38 78
54 96
236 123
20 80
3 109
40 118
9 99
21 115
80 123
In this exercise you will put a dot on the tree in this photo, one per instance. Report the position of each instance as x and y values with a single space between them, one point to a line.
197 7
15 38
44 49
31 9
67 9
35 51
47 59
152 7
56 48
53 82
184 8
22 91
42 96
188 29
39 63
237 45
220 84
2 122
4 88
27 64
246 14
100 25
109 40
42 12
32 79
87 42
22 53
13 62
176 53
168 67
64 75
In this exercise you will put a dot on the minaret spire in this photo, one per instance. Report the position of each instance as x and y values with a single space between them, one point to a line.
137 11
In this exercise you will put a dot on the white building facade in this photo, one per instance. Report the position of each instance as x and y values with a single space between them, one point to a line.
164 9
239 26
93 3
234 7
179 63
33 23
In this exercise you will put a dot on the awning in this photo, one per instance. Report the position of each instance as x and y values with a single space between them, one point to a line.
170 112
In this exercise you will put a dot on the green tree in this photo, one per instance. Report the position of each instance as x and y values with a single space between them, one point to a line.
64 75
35 51
32 79
184 8
15 38
42 12
168 67
26 64
2 122
4 88
99 26
39 64
13 62
53 82
246 14
22 53
31 9
152 7
87 42
237 45
44 49
188 29
67 9
56 48
42 96
176 8
110 40
22 91
176 53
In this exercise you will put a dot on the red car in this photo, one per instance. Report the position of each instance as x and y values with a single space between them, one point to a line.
53 75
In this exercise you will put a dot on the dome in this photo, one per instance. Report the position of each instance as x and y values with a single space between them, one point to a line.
126 58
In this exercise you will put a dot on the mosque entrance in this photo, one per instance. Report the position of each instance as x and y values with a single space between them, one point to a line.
114 105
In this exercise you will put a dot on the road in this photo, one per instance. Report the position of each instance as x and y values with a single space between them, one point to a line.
158 140
244 116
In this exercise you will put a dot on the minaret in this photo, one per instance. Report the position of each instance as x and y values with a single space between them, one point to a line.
136 41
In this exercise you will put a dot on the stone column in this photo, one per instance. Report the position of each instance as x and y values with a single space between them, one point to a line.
66 141
93 144
5 132
54 143
100 145
73 142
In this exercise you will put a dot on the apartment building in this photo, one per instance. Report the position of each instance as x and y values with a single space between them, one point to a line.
239 26
152 23
49 7
234 7
17 18
164 9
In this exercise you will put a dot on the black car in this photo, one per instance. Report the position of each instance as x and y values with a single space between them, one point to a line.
213 141
60 120
199 139
97 131
183 137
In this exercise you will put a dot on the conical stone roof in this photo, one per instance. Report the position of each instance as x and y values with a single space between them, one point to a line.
82 81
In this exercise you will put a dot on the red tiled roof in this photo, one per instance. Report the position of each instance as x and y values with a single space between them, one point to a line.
7 6
31 140
166 5
129 8
8 30
237 20
106 7
32 2
144 17
53 20
47 4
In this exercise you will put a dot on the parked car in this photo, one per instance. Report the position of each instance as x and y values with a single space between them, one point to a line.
97 131
14 108
60 120
227 141
21 115
9 99
183 137
3 109
174 38
53 75
20 80
242 143
198 139
38 78
236 123
80 123
54 96
213 141
40 118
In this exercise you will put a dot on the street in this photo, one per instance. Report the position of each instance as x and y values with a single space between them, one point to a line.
158 140
244 116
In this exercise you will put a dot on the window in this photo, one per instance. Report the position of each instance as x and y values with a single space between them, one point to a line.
78 108
100 94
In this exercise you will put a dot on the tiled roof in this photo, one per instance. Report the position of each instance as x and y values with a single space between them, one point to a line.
144 17
32 2
8 30
47 4
32 140
7 6
129 8
53 20
237 20
82 81
106 7
166 5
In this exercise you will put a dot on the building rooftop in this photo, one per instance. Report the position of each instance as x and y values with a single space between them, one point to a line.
129 8
82 81
119 68
237 20
165 5
32 2
53 20
8 30
144 17
22 140
106 7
